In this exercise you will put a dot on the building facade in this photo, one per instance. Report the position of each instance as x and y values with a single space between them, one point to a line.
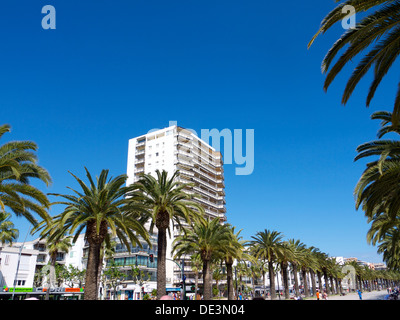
17 265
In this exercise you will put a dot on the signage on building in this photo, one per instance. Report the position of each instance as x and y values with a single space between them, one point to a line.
41 289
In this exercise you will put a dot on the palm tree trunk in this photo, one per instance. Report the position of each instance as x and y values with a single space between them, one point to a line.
296 280
196 285
52 274
229 280
328 292
339 288
334 290
264 286
91 280
319 276
313 284
207 284
285 280
161 260
306 290
272 280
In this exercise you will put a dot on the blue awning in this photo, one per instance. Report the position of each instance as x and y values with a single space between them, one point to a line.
173 289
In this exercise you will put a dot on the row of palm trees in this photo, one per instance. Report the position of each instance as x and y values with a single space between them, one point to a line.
104 208
267 253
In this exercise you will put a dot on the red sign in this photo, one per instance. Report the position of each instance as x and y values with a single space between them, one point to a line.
72 289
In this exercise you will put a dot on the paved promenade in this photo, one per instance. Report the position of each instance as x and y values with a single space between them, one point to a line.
374 295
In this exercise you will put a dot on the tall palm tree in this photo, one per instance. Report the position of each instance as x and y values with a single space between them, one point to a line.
101 210
377 190
285 256
18 165
311 261
266 245
298 256
377 32
209 239
7 231
164 200
237 252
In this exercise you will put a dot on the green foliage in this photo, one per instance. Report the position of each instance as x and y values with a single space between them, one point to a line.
18 165
376 34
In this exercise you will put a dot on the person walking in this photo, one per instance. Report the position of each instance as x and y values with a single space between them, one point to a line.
359 294
317 294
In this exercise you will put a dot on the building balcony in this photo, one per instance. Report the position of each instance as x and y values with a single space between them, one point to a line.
209 194
206 159
139 169
141 142
213 187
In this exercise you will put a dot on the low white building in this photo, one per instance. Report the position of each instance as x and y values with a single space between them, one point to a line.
15 257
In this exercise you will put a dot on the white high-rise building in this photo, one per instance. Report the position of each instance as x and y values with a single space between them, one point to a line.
175 148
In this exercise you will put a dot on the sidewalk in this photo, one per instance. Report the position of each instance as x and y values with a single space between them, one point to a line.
373 295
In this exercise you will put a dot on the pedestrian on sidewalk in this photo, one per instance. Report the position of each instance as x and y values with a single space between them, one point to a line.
359 294
317 294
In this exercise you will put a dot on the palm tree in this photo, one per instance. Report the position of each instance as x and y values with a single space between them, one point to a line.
18 165
241 271
298 256
377 32
7 231
163 200
266 245
217 275
358 271
377 190
103 212
311 261
255 274
208 238
285 256
237 251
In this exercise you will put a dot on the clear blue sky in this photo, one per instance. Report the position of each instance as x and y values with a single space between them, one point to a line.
113 70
